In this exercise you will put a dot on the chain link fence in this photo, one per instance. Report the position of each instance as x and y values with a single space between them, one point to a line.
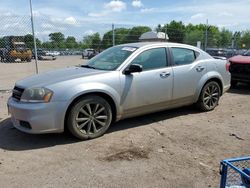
68 41
12 38
64 37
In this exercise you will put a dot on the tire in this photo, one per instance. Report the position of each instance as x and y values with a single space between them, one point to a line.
10 59
209 96
28 59
94 116
234 83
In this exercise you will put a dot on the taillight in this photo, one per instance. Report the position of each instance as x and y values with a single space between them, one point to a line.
228 66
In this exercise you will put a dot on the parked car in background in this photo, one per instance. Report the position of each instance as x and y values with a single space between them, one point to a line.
121 82
241 51
240 68
52 53
43 55
88 53
219 53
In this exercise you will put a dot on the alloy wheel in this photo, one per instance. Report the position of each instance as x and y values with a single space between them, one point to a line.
91 118
211 96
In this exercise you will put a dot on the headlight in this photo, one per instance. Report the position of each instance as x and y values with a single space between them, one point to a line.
36 95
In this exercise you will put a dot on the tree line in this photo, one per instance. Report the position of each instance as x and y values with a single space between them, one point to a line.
177 32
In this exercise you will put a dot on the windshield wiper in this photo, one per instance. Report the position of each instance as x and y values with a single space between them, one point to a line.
87 66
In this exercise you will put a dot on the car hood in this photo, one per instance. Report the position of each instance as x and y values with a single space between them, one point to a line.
240 59
51 77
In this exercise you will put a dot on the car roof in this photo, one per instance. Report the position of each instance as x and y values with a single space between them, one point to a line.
144 44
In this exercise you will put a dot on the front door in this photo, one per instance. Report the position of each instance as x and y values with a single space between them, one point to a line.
150 89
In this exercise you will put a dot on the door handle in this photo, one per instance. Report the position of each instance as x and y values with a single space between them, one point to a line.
165 74
199 69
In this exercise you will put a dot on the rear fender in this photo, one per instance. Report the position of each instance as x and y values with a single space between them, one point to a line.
206 77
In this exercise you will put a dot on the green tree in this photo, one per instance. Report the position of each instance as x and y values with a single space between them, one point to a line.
57 39
120 37
194 33
107 40
29 41
216 38
213 36
92 41
47 45
237 40
87 41
193 36
135 33
70 42
175 31
225 38
245 39
96 41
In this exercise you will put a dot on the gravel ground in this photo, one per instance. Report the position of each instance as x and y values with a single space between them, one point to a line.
174 148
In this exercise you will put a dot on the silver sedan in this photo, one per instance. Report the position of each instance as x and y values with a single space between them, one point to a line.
123 81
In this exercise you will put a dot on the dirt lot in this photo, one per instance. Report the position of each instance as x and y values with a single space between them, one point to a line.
175 148
11 72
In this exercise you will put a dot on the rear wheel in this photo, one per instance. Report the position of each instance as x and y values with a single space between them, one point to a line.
209 97
89 117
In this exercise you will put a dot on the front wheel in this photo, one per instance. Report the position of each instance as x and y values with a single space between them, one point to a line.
209 97
89 117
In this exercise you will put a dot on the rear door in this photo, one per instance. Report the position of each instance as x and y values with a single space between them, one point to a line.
187 70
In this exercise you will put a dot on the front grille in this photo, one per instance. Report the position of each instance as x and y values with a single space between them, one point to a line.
17 93
237 68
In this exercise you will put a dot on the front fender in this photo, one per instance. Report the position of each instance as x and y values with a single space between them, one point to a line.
93 87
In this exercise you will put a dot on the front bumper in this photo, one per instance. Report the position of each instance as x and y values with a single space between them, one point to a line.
240 77
40 117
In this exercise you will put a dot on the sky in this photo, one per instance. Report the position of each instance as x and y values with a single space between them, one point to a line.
83 17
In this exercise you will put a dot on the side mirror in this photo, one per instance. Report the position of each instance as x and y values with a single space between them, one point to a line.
133 68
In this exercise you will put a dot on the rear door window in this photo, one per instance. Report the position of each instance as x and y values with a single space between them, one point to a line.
183 56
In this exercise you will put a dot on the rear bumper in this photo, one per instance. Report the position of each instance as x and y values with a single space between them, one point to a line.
38 117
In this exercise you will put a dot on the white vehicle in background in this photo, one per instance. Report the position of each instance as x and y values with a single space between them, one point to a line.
88 53
52 53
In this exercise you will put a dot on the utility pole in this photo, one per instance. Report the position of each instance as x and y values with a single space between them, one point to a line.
234 39
34 37
206 36
232 46
113 34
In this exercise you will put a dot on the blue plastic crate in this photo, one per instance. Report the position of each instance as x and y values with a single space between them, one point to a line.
235 173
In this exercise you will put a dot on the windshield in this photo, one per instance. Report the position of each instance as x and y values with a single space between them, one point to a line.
247 53
111 58
19 46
